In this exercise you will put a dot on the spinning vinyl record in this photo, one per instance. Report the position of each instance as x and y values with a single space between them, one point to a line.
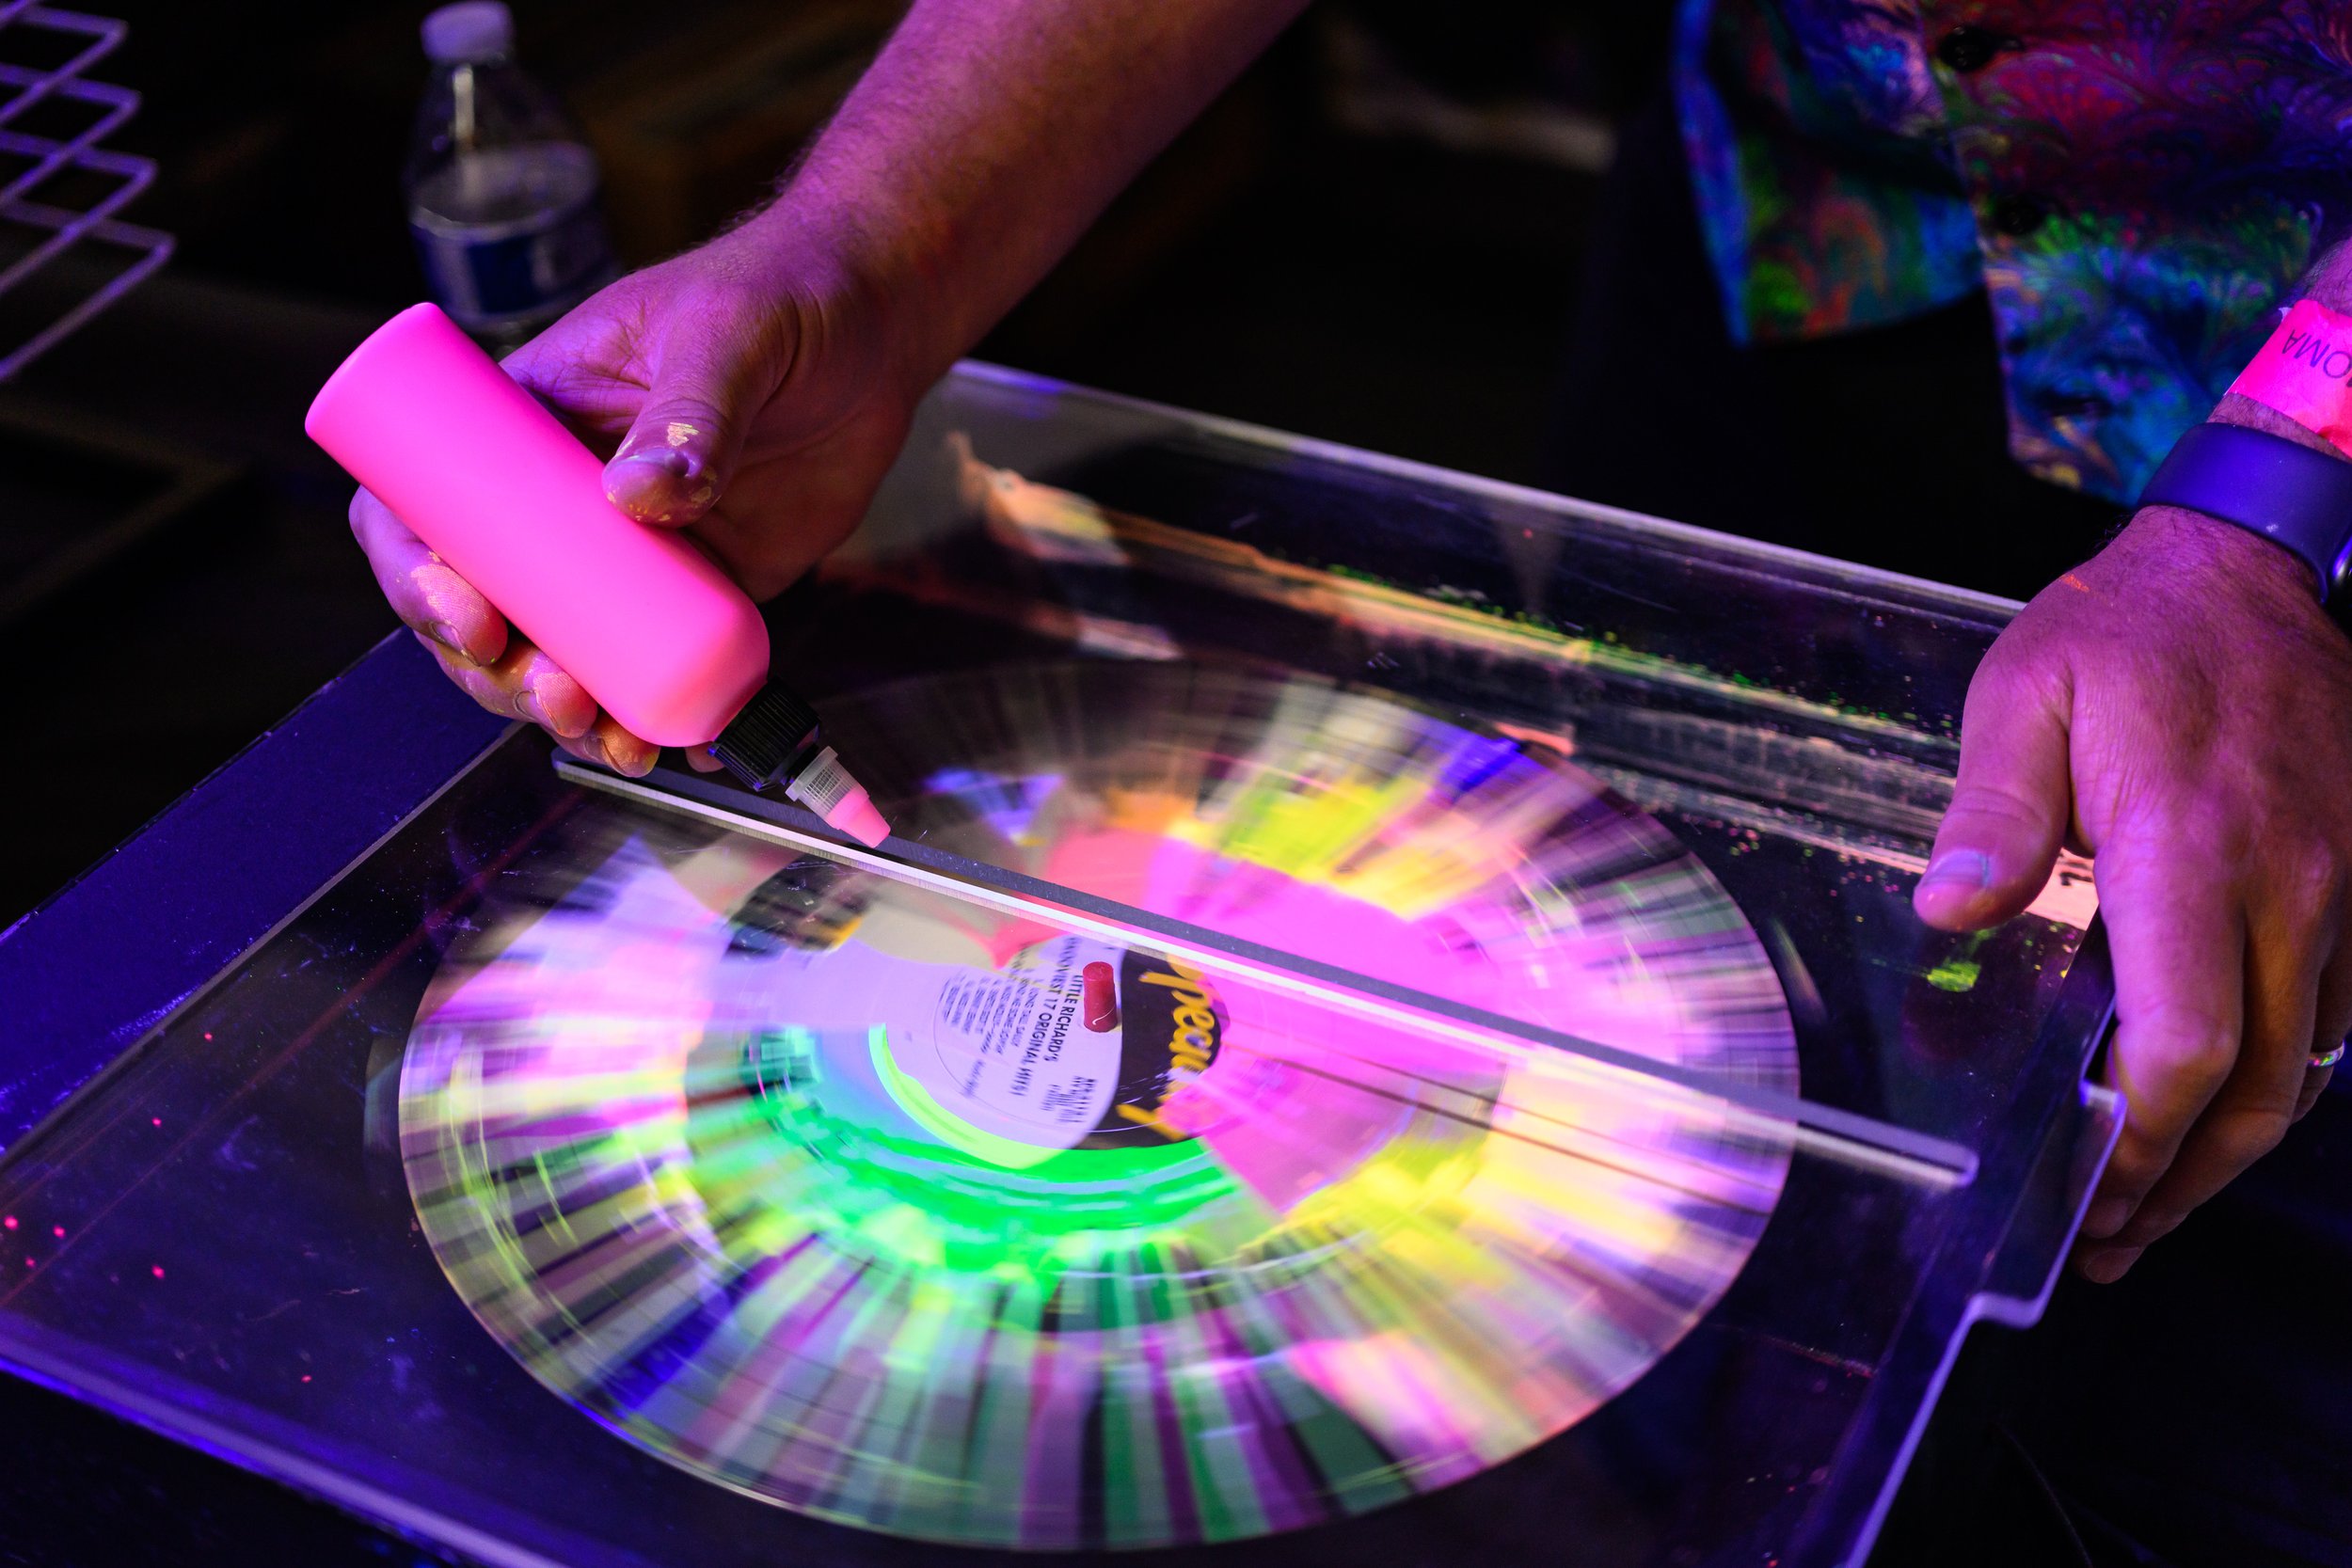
910 1214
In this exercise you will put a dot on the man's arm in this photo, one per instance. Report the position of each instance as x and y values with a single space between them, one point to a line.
2181 708
756 388
984 140
990 133
2329 283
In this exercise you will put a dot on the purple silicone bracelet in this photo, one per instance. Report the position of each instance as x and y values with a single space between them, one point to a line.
2290 495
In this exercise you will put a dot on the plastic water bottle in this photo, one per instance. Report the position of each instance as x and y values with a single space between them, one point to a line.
502 189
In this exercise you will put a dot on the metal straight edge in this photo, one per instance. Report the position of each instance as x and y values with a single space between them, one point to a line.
1822 1130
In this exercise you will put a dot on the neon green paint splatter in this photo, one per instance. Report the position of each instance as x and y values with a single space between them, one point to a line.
1955 975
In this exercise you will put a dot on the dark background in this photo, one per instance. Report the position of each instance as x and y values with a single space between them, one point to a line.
1374 237
1378 237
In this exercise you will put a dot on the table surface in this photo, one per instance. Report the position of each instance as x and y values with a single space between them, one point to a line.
149 678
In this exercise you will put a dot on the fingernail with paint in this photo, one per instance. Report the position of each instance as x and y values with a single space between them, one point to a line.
453 645
668 459
653 484
1961 870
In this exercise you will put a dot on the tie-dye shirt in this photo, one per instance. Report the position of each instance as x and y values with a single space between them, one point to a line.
2136 185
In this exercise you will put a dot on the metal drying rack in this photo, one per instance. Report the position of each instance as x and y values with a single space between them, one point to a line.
55 228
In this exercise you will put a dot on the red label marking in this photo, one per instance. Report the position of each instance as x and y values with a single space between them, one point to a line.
1101 997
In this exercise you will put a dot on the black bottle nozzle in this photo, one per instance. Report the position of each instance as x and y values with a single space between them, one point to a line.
774 740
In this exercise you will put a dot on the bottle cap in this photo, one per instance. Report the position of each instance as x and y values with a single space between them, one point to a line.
469 32
768 738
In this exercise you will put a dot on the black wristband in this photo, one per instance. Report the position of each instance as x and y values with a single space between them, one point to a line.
2296 498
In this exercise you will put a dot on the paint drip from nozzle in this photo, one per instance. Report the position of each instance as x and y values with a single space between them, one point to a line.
775 740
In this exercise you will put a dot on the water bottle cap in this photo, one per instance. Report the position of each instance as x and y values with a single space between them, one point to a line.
467 32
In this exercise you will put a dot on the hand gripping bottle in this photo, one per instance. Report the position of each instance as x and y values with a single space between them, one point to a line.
648 623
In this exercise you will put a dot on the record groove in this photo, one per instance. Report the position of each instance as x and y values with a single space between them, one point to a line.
815 1183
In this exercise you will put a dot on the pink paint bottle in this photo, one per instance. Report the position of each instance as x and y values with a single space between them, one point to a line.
649 627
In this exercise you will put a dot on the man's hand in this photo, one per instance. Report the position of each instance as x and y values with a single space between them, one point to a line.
760 385
747 366
2180 708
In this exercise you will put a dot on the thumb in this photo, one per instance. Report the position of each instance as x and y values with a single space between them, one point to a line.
711 372
2010 804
